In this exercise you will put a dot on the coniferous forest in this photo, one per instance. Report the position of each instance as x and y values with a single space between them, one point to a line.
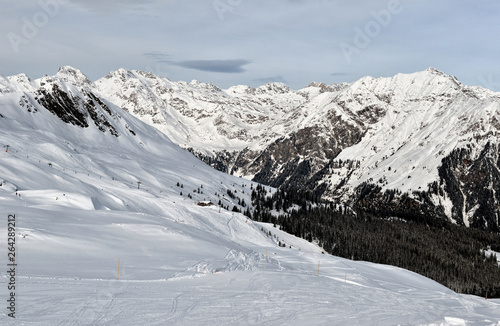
449 254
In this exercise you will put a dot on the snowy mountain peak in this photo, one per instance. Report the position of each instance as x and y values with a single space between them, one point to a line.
273 88
445 77
206 86
20 79
73 75
121 73
17 83
430 84
326 87
148 75
240 89
435 71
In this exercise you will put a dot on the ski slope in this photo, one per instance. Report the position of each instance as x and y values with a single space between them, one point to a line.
95 247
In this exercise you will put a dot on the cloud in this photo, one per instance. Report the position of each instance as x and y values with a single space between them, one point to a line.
223 66
272 79
230 66
157 56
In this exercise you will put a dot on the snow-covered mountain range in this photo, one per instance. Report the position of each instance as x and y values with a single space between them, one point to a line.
413 144
107 232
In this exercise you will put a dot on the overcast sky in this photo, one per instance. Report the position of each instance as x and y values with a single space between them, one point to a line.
252 42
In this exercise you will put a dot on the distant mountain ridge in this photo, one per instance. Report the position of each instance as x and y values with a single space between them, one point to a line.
413 145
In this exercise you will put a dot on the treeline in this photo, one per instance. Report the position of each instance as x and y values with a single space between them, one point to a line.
449 254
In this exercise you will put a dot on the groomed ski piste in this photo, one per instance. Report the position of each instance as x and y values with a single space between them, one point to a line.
93 246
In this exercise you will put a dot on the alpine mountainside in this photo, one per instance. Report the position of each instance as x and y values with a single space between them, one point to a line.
416 146
80 143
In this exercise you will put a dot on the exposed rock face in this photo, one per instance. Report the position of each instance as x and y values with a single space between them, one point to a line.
76 110
472 183
61 105
465 192
69 95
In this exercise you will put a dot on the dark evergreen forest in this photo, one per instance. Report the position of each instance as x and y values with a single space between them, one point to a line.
449 254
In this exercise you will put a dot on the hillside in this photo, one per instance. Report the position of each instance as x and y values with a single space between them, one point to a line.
95 197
